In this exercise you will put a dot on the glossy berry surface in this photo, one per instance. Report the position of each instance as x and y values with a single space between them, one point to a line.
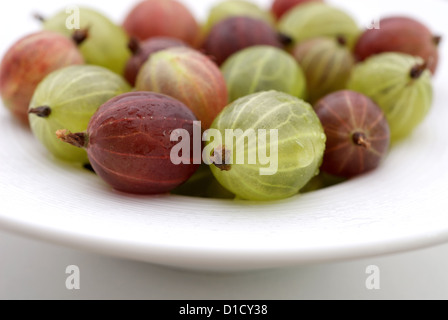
188 76
142 51
234 34
28 62
358 134
162 18
400 34
128 142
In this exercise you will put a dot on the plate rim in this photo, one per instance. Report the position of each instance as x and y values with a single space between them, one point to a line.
223 259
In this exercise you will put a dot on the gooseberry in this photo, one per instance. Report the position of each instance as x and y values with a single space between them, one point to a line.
128 142
400 85
270 144
327 64
29 61
358 134
68 98
188 76
142 51
263 68
400 34
106 45
280 7
315 19
236 33
162 18
236 8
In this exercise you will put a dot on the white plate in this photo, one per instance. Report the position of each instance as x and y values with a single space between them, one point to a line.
401 206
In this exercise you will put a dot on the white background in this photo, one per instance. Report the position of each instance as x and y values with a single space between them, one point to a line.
33 269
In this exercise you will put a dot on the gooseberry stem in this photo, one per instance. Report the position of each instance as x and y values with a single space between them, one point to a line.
39 17
285 39
360 139
437 40
88 167
341 40
134 45
221 158
79 140
79 36
42 112
417 71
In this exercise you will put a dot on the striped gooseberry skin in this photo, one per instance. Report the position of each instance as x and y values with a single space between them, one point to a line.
263 68
190 77
400 34
236 33
280 7
300 145
70 97
400 84
166 18
129 142
144 50
316 19
327 64
358 134
28 62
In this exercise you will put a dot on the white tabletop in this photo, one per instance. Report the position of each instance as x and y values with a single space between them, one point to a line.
31 269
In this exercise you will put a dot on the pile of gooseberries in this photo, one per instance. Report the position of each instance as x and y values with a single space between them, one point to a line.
252 104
